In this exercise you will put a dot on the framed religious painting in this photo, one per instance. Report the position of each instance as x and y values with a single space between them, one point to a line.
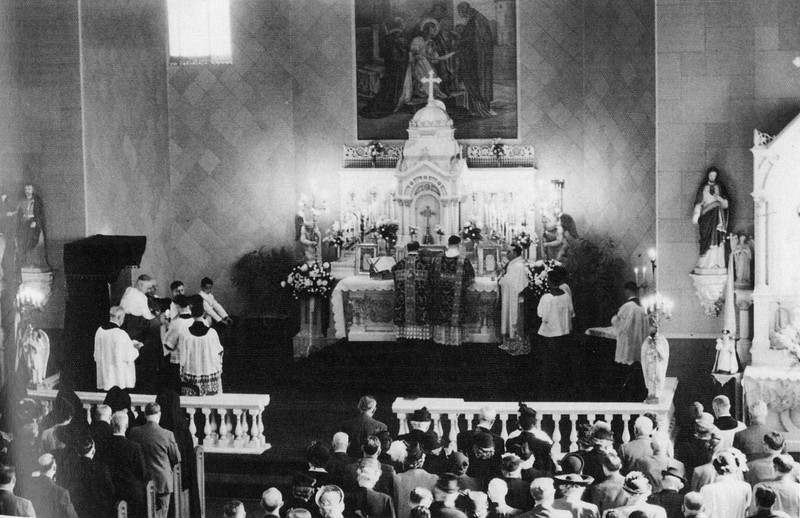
365 253
489 257
468 49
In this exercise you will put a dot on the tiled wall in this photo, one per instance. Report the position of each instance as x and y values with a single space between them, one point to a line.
724 68
126 129
232 147
247 139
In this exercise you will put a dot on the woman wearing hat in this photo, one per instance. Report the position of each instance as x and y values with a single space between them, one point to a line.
638 489
572 486
729 496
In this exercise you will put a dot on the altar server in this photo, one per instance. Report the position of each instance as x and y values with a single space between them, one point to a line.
178 329
452 274
200 354
513 280
631 325
115 353
556 311
412 292
142 325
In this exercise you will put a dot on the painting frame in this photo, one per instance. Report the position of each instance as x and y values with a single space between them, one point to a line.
475 120
364 251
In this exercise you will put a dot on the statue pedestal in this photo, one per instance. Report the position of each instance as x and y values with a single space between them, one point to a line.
37 282
310 338
709 285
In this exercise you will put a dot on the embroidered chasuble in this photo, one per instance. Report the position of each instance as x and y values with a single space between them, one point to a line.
412 293
451 278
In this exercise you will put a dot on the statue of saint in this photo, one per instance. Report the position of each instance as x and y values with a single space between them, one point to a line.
742 257
655 358
711 216
311 239
30 239
726 361
559 233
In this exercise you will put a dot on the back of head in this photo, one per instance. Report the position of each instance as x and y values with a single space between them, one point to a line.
152 411
182 301
693 501
497 489
117 399
232 509
368 472
413 246
206 282
783 464
330 494
420 496
340 441
643 426
721 405
638 514
727 461
459 463
420 511
631 287
174 285
119 421
527 417
774 441
453 241
371 446
317 454
765 497
367 403
298 512
542 489
612 462
196 301
102 413
510 463
660 443
46 463
7 475
487 414
759 412
84 445
271 500
116 313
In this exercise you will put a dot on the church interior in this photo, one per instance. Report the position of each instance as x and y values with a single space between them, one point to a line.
245 167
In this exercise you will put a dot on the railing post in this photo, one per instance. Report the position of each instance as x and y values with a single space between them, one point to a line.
504 426
208 427
192 425
437 424
573 433
626 432
556 449
452 437
403 424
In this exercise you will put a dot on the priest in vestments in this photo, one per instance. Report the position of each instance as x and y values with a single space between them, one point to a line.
452 274
142 325
513 280
411 294
115 353
632 327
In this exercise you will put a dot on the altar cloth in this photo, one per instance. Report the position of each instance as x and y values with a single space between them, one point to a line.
362 283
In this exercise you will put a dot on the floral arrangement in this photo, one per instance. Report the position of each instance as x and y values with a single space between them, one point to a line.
412 231
439 230
523 240
472 231
310 280
537 276
334 236
387 229
375 150
498 149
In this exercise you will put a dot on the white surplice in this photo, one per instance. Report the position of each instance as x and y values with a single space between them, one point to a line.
114 355
513 281
632 328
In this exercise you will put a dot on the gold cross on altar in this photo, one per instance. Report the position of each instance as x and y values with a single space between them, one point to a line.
430 80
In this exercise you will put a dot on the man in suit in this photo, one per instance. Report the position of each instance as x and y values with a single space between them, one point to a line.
339 459
10 504
365 499
609 494
762 469
639 448
415 476
458 466
370 450
486 418
670 497
48 498
544 493
160 455
100 429
361 427
519 491
750 441
271 503
125 460
88 481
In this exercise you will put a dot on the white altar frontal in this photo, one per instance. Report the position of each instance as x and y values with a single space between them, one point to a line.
774 373
431 190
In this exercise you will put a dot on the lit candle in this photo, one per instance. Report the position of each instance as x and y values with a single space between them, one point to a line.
636 275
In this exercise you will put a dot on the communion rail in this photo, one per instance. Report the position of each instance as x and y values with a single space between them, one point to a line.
559 419
225 423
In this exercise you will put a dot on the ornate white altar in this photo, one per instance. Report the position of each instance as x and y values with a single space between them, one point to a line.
773 375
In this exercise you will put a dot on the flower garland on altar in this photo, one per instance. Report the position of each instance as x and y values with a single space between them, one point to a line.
376 150
471 232
310 280
537 276
523 240
498 149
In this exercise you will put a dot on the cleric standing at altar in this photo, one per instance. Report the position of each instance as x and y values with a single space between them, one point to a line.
513 279
115 353
632 327
412 294
452 274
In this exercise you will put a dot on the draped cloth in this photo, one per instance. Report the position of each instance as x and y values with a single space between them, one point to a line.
412 293
451 277
512 283
114 355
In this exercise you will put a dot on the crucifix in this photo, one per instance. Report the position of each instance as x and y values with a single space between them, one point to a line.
431 80
427 213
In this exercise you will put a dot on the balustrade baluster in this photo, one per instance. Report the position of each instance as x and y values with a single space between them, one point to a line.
253 428
403 424
224 430
573 433
437 423
504 426
262 440
452 437
237 430
245 428
556 449
192 425
626 433
209 428
87 409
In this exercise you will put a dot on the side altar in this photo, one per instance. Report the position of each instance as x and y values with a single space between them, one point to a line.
774 373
